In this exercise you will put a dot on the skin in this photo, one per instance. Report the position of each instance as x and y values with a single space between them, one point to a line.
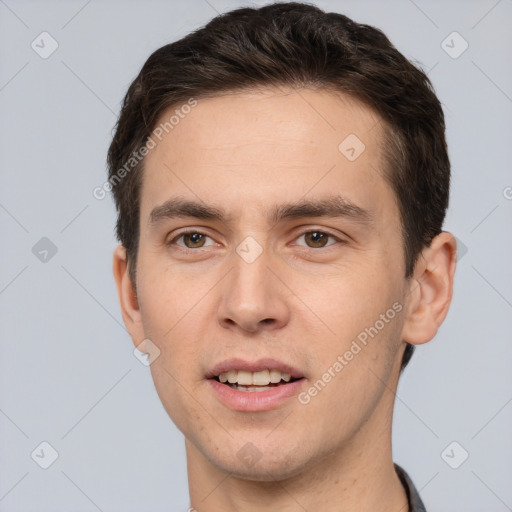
302 301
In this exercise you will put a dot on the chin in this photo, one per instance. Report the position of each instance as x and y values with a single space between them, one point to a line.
274 462
264 471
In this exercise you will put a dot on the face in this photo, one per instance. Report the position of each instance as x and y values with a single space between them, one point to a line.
270 250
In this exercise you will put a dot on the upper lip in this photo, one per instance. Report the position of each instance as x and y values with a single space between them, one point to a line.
253 366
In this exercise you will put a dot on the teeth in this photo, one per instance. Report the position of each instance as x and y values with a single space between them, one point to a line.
258 378
250 389
244 378
263 378
275 376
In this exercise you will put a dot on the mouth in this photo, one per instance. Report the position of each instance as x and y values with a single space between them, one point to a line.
255 386
264 380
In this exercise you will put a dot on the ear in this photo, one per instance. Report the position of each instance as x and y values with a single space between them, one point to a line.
127 296
431 290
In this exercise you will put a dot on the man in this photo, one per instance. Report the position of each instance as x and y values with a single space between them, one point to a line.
281 177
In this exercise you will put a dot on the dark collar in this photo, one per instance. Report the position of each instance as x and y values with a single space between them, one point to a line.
415 503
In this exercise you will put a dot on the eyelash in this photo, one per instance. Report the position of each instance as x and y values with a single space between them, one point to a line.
194 232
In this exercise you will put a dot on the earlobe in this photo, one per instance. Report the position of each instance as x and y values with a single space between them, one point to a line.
127 295
431 290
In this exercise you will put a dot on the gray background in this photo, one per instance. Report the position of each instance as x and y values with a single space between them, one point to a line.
67 371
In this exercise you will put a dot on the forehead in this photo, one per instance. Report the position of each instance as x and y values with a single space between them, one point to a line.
274 117
267 145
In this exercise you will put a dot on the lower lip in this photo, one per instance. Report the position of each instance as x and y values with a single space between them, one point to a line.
253 401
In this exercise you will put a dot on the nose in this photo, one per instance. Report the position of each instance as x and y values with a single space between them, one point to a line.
254 297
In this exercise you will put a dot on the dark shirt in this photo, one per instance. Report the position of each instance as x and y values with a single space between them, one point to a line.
415 503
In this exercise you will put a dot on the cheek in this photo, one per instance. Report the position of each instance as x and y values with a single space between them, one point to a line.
177 325
176 396
353 371
171 315
177 328
347 298
356 323
169 299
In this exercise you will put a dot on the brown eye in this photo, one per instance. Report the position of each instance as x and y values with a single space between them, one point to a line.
316 239
193 240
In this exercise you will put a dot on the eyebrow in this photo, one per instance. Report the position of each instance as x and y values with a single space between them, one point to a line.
336 206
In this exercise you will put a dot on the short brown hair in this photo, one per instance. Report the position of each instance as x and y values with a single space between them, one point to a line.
297 45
